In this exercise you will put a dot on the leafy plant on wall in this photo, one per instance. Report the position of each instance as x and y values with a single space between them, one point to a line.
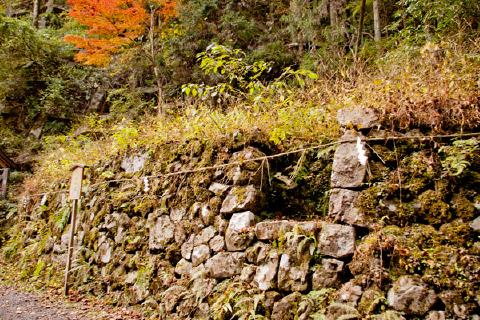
236 78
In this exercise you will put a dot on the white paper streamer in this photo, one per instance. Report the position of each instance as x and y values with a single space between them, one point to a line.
146 187
362 155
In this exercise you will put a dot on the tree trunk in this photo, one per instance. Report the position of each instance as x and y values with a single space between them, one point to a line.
156 69
324 10
360 26
376 21
338 18
8 8
43 20
35 12
333 14
296 10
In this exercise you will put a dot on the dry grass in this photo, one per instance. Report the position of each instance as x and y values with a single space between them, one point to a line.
283 128
435 87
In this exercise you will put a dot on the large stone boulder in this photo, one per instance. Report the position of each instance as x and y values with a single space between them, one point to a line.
218 189
287 308
217 243
187 248
240 232
337 311
435 315
200 254
326 274
105 251
294 263
273 230
180 231
177 214
349 293
336 240
266 273
134 163
411 295
389 315
370 301
242 199
258 252
204 236
246 171
225 264
342 207
347 171
183 267
171 297
358 117
161 234
475 224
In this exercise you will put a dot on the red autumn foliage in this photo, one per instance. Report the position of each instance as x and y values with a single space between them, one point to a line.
112 25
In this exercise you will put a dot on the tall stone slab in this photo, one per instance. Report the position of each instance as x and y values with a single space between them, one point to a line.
347 171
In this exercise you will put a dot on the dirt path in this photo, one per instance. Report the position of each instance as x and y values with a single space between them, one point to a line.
18 305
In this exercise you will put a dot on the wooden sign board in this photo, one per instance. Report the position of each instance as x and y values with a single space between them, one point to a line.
76 183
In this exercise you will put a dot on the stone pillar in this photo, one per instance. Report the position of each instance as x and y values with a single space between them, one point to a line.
350 165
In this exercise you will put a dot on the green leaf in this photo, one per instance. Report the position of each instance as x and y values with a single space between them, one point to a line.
312 76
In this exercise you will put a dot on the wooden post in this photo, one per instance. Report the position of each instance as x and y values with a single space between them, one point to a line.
70 244
75 192
376 21
4 183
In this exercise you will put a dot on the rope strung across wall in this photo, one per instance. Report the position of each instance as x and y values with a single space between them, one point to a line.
273 156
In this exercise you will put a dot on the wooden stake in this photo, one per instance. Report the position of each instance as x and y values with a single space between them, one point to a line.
70 244
75 193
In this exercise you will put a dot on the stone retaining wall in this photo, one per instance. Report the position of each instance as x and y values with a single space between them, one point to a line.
207 252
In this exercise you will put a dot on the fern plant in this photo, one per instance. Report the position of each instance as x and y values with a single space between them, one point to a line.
458 157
